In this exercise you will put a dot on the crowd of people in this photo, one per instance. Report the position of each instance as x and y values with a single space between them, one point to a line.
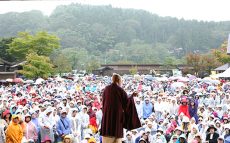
171 110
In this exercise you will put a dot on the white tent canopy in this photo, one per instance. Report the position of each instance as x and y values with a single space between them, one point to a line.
225 73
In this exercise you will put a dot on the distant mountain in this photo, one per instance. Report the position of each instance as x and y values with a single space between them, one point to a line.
134 35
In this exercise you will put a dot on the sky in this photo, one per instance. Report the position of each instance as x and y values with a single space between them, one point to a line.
206 10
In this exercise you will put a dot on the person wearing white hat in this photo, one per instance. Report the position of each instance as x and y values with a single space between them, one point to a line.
221 140
76 125
30 131
129 138
173 107
158 108
63 125
193 132
147 108
86 138
84 121
134 134
139 107
46 124
227 133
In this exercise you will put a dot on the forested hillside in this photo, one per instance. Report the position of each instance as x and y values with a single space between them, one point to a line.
113 35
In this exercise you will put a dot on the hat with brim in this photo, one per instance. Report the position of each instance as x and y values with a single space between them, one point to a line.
198 135
221 138
67 137
211 127
182 136
15 116
63 111
179 129
84 107
142 139
135 130
87 136
184 100
27 115
174 137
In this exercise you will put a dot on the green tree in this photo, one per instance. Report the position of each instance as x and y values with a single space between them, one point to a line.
92 65
221 53
4 46
37 66
133 70
62 64
41 43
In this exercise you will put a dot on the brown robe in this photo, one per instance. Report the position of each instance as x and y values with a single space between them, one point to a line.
119 112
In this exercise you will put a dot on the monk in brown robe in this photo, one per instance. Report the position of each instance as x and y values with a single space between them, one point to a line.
119 112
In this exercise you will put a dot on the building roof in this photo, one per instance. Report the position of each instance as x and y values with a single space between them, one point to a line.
223 67
18 64
5 62
105 68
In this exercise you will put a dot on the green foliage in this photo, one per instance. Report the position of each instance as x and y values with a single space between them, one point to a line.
37 66
133 70
41 43
202 63
92 65
62 64
113 35
3 49
221 53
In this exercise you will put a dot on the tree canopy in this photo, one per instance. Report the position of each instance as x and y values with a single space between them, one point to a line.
37 66
41 43
115 35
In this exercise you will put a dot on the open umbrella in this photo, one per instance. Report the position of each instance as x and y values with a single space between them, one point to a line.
29 81
2 81
18 80
162 79
177 84
59 79
39 81
9 80
182 79
226 86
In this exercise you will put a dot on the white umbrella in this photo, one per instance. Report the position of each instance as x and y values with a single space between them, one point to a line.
183 79
39 81
9 80
177 84
29 81
59 79
162 79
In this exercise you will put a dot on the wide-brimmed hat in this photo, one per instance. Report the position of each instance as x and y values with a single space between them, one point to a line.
67 137
27 115
227 126
142 139
87 136
179 128
63 111
15 116
211 126
184 100
182 136
160 130
221 138
198 135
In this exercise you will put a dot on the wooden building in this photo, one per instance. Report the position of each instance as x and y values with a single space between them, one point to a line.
122 69
9 69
